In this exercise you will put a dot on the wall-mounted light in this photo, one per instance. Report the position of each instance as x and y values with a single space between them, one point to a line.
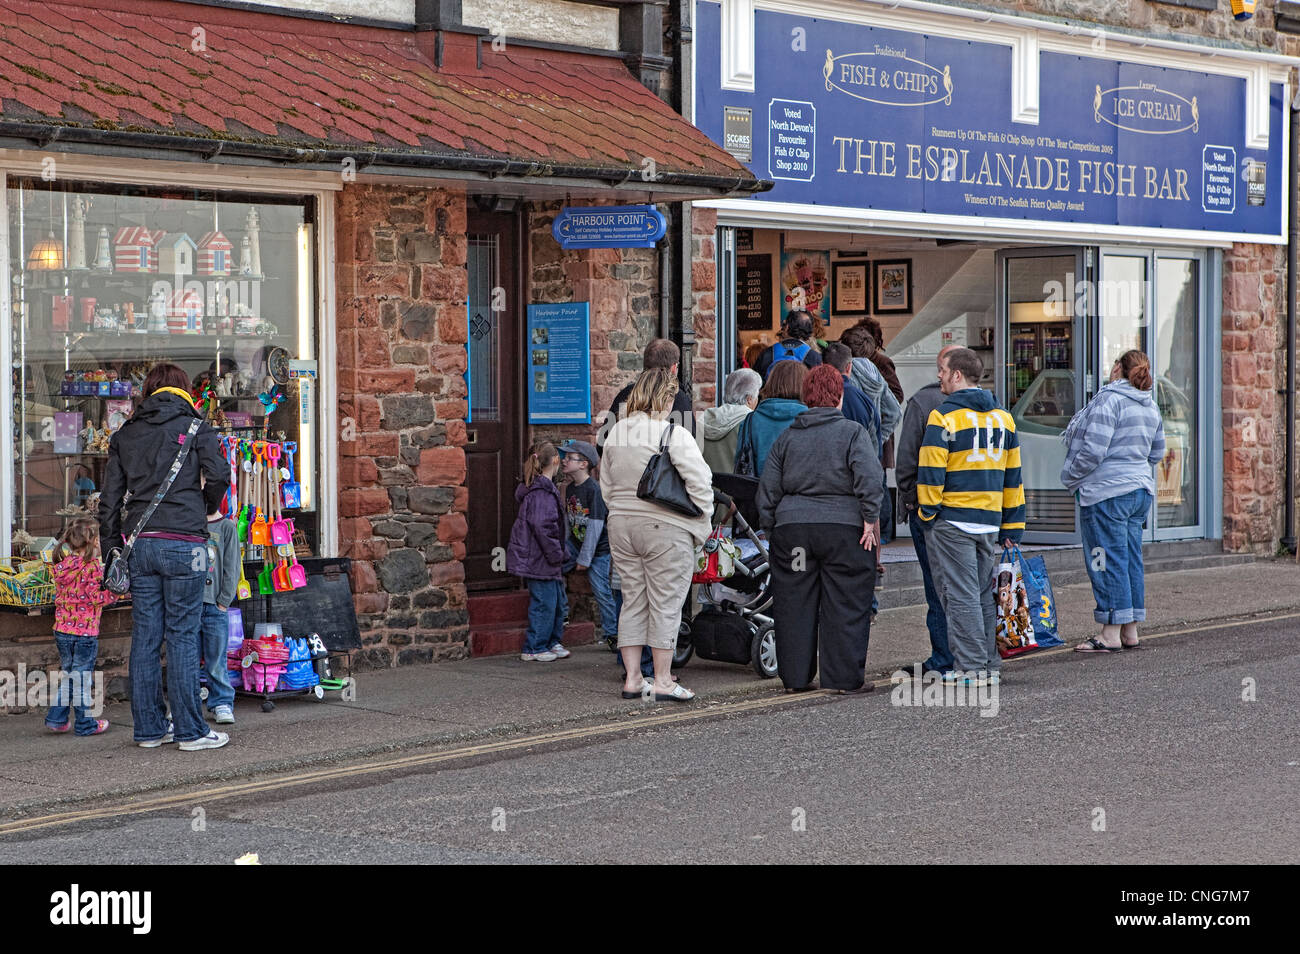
1243 9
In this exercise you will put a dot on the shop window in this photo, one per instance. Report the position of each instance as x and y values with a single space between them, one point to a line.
108 281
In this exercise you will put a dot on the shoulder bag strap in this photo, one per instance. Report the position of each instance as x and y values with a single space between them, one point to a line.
165 486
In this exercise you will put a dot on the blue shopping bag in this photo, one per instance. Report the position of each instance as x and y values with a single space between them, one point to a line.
1042 601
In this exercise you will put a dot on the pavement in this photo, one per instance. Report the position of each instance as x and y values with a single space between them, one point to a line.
501 697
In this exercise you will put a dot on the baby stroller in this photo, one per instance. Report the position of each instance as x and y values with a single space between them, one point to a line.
733 625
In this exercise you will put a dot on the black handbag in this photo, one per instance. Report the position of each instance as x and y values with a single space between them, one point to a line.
661 484
117 575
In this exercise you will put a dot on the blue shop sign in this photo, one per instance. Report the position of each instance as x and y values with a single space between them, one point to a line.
559 363
609 226
872 118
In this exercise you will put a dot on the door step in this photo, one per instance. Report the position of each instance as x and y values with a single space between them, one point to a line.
498 625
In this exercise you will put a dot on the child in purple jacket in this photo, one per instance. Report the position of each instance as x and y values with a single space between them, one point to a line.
536 553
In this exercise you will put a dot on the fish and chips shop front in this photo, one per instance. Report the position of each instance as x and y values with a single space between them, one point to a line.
1047 195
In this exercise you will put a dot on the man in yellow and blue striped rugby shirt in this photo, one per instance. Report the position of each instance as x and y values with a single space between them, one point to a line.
969 491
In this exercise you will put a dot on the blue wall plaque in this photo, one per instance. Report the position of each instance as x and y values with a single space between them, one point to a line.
609 226
559 363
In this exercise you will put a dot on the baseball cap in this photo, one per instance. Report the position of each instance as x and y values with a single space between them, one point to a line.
581 447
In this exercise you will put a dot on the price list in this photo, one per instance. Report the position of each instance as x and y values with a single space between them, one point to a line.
754 292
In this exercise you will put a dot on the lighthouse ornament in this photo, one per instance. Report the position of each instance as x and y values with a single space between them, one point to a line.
77 234
250 252
103 257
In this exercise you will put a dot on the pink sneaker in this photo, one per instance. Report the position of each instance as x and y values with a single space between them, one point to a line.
59 728
101 726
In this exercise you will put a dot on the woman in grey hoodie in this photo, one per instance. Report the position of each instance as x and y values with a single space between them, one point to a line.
1111 446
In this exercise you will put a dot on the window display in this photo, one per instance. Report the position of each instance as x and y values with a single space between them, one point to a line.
106 282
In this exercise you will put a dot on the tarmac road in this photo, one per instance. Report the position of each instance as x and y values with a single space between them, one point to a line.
1160 741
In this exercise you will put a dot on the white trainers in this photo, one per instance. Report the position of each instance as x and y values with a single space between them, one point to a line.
154 743
213 740
560 651
547 656
225 715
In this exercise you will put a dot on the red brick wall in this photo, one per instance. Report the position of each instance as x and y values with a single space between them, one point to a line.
402 287
1254 370
704 314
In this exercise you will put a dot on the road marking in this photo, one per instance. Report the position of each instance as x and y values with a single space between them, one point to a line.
161 802
399 763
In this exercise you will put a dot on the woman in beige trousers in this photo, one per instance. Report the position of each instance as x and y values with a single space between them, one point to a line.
653 547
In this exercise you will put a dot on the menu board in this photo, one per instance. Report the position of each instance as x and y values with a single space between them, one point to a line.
754 292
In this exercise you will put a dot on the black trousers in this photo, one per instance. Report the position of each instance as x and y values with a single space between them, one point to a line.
822 583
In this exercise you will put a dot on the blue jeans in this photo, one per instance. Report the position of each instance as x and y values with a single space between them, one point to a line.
216 633
167 605
77 654
546 606
598 576
1112 551
935 621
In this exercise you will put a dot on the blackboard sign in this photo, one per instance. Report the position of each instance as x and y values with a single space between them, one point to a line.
754 292
323 606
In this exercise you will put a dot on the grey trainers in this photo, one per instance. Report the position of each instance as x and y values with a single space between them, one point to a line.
225 715
154 743
213 740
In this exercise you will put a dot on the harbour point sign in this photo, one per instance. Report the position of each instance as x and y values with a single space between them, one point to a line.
863 117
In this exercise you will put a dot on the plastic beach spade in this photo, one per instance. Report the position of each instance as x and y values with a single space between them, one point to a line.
243 590
281 530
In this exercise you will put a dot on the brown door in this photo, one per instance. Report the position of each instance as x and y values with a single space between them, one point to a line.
496 374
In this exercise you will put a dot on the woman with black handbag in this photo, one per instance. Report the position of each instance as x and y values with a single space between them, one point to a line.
659 492
156 496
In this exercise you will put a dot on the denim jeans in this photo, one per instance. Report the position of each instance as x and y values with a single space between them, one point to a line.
1112 551
546 606
77 654
216 633
167 604
935 621
598 577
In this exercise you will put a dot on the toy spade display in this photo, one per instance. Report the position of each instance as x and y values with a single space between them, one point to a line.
243 590
258 532
246 472
292 489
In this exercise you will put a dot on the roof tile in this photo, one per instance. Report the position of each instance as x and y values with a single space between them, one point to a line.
131 62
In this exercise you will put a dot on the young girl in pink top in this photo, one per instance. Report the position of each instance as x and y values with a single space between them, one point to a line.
78 602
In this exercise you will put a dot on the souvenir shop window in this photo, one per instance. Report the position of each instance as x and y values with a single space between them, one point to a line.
108 282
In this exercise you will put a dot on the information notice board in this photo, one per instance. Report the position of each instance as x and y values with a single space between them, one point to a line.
559 364
754 292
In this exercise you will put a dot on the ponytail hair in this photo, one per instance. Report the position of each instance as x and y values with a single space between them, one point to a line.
540 456
1136 368
80 536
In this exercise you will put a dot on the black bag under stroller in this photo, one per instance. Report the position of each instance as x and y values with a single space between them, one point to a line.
734 625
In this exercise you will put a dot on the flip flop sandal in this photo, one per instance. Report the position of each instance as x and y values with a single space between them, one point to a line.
1095 645
640 693
679 694
1126 647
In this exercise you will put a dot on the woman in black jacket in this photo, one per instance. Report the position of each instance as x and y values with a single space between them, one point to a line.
819 499
168 562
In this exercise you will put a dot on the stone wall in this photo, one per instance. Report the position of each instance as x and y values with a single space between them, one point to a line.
1254 371
704 314
401 333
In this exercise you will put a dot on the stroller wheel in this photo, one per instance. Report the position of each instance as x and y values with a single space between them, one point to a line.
684 649
763 654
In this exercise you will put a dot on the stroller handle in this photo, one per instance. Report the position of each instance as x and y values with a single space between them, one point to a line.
719 497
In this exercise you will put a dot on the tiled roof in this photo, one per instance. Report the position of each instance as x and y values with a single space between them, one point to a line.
240 77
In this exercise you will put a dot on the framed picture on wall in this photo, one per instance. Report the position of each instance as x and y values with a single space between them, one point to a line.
849 287
891 287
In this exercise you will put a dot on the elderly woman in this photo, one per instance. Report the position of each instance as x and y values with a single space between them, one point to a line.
1111 446
168 561
653 547
719 427
819 499
778 405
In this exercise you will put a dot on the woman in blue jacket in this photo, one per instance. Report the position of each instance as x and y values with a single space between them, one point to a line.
1111 446
779 404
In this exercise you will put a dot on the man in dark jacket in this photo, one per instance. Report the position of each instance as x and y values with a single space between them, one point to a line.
857 407
910 435
660 353
796 335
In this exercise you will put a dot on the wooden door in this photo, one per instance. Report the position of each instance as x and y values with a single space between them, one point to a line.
497 413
